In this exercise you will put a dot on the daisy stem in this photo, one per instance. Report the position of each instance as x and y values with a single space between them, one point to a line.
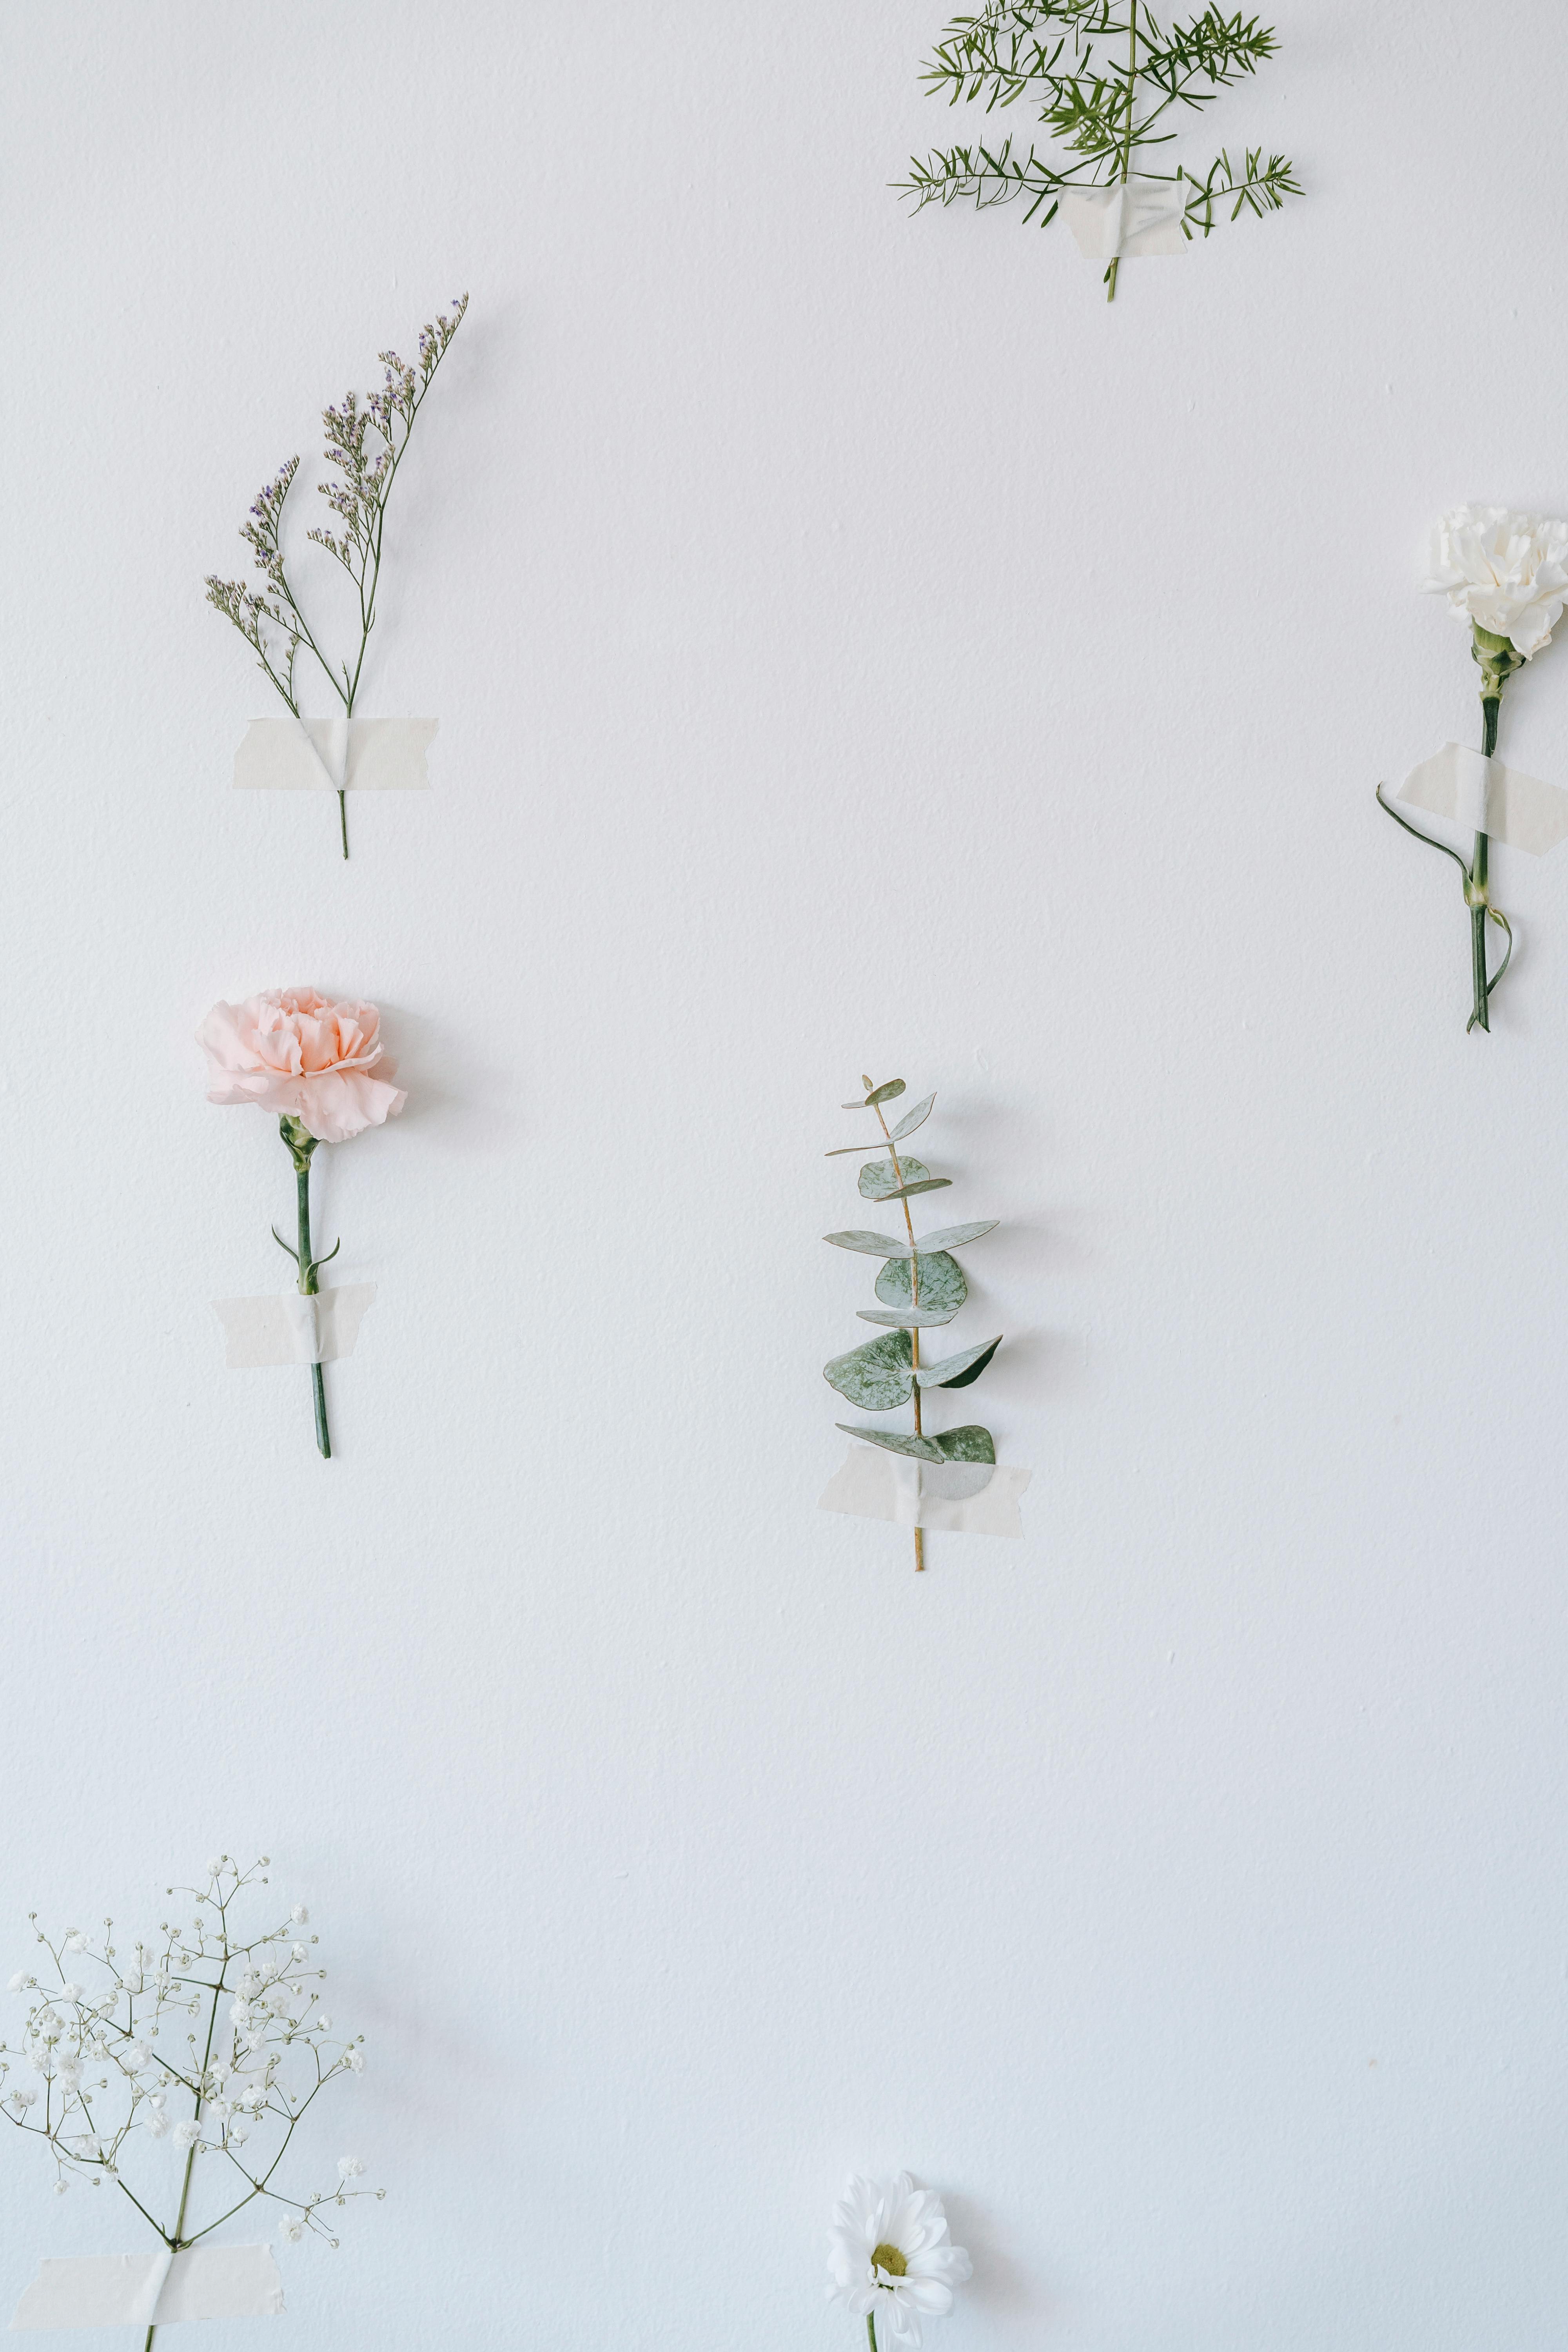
871 2317
344 819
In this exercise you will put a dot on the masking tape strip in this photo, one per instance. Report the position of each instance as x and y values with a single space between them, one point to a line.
1143 217
155 2289
291 1329
876 1484
300 755
1481 795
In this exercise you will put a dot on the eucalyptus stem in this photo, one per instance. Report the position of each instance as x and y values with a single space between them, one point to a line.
914 1337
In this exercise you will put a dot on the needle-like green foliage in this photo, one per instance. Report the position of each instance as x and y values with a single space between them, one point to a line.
1103 76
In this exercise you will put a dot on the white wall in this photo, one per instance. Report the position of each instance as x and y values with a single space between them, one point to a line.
856 647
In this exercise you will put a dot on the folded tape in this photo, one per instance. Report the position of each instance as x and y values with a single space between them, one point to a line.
1131 218
330 755
1481 795
975 1498
151 2290
289 1328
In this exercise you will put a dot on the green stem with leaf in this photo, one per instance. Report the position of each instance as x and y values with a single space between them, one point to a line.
1127 141
300 1145
1498 661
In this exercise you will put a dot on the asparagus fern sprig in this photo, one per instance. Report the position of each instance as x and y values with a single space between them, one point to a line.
921 1287
366 440
1103 75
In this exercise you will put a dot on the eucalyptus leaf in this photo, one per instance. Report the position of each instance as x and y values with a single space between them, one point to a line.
957 1371
908 1191
913 1118
905 1318
842 1150
924 1449
955 1236
881 1180
942 1286
870 1245
884 1094
971 1443
875 1376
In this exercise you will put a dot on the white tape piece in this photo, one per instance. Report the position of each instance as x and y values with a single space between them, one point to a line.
311 755
1481 795
289 1328
877 1484
1144 216
148 2290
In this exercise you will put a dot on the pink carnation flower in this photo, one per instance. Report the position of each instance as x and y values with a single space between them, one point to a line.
294 1053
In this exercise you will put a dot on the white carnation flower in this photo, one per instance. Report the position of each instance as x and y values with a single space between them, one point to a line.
215 1867
76 1941
19 1982
68 2069
25 2096
85 2146
1502 572
889 2255
70 1992
298 1914
349 2166
354 2059
323 2024
157 2122
60 2188
136 2054
187 2133
292 2228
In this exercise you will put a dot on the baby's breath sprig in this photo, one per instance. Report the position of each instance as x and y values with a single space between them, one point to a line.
1125 75
365 442
250 2071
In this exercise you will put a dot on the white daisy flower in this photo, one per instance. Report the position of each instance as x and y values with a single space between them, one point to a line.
891 2258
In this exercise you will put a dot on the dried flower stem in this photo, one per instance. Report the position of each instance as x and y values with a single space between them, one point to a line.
359 499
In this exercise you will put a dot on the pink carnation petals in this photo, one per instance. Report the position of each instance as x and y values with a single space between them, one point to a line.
294 1052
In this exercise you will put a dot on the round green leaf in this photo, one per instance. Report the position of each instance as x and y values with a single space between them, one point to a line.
942 1286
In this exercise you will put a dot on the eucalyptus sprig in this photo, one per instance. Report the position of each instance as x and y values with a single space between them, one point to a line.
922 1286
365 442
1103 75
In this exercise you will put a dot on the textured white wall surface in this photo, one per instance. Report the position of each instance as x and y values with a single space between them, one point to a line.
856 648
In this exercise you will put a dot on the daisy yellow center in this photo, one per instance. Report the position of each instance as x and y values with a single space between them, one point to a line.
887 2258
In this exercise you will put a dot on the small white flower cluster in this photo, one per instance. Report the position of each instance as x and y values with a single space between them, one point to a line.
258 2048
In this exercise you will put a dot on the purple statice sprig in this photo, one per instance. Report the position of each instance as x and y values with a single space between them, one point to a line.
366 439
